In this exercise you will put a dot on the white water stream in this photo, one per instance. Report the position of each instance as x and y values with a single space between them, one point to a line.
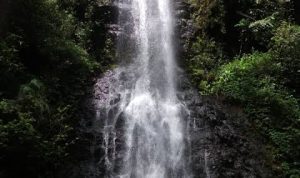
153 144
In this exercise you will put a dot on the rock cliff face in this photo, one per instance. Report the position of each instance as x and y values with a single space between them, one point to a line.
220 141
185 27
89 151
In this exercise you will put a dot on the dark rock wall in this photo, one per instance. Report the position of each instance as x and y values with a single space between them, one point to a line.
222 142
90 152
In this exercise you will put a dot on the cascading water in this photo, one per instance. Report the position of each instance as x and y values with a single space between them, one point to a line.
140 116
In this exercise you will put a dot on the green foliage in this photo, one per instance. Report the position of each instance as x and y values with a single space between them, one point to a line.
252 81
32 98
208 15
48 57
286 48
11 69
235 78
263 75
205 56
30 133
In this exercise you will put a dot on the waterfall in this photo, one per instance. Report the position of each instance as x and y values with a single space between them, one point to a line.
142 127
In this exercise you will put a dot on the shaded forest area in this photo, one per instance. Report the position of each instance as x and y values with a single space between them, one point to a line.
50 51
244 53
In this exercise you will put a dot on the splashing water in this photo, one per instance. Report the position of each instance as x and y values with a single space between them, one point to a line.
143 134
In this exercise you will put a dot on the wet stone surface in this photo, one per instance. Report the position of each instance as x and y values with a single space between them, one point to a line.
219 143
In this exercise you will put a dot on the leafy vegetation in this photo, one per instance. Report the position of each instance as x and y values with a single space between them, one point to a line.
48 56
252 82
253 62
247 52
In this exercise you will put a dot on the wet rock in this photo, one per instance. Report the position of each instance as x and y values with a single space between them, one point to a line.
219 144
222 145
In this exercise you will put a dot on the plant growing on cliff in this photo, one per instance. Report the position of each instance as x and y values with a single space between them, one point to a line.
252 60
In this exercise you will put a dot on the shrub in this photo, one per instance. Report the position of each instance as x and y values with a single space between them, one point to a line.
286 49
252 82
